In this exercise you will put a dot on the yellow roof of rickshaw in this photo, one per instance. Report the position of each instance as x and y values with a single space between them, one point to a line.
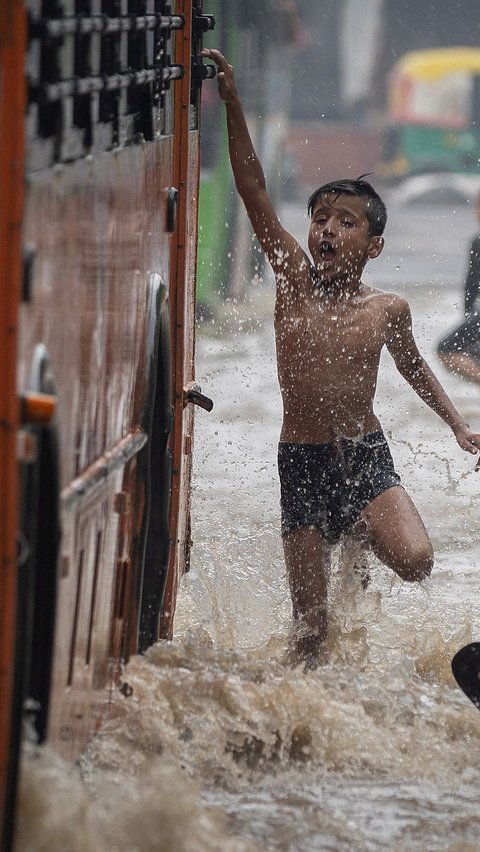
437 62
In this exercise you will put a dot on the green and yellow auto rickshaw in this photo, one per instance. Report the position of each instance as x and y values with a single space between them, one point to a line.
434 113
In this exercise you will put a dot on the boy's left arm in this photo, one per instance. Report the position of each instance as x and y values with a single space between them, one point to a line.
413 367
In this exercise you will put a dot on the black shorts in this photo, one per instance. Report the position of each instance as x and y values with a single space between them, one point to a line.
328 485
464 338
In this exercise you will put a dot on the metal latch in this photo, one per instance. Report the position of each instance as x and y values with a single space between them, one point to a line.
202 72
193 393
202 23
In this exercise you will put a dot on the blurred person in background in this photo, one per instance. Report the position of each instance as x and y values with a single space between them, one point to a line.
459 350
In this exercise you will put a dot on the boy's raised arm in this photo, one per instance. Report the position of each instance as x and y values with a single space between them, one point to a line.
249 176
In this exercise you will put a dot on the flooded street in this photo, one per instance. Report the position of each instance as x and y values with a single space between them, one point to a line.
222 745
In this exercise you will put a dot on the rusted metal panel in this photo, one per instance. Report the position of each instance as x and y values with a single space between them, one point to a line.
100 231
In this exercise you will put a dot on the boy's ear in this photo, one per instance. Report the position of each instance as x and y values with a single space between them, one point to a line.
376 246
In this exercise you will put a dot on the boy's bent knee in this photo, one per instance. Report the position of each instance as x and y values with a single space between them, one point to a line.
415 567
417 572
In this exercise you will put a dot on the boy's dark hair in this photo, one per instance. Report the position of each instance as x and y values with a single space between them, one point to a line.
375 208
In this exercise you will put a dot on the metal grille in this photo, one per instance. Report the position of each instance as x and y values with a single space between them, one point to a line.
99 72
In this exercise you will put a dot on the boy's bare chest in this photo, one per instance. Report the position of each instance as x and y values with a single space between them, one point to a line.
357 330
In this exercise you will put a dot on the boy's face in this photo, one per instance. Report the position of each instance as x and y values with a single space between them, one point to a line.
339 238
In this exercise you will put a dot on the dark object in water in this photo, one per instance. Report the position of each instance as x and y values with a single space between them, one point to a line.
466 671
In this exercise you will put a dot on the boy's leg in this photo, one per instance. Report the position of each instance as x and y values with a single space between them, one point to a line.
307 558
397 534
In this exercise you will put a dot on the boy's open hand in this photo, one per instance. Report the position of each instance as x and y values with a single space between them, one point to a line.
226 80
468 440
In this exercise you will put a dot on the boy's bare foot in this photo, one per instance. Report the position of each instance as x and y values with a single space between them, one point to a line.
309 649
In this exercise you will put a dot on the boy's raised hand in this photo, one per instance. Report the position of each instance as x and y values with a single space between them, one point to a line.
226 80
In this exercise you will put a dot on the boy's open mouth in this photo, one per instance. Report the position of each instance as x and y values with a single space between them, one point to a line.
327 251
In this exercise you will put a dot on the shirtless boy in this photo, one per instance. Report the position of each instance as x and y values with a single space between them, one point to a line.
334 463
